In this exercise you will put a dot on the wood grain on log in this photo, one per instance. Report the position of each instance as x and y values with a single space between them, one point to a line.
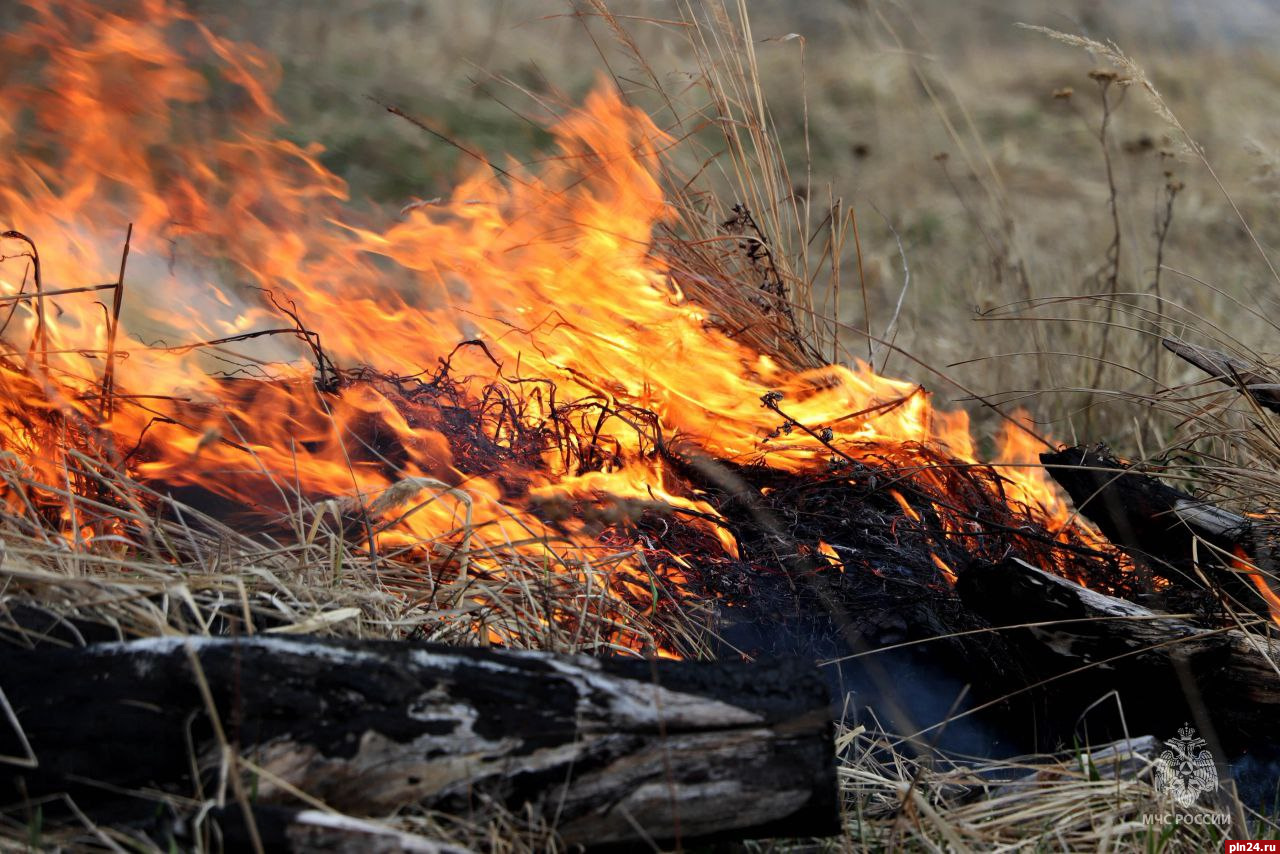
611 750
1166 670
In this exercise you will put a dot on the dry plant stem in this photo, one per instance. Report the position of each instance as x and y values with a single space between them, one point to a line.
328 377
421 125
1131 69
1163 225
891 331
862 283
834 248
229 755
25 297
108 373
1104 80
40 340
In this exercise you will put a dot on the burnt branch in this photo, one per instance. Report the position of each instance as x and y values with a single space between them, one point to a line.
1249 379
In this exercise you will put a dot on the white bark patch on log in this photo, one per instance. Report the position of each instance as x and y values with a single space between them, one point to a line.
640 787
313 830
638 704
1206 517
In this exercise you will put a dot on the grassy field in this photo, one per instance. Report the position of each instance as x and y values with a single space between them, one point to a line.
969 150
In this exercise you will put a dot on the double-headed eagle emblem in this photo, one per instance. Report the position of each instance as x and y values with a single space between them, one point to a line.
1185 770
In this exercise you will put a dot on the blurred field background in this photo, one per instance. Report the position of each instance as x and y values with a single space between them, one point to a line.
935 122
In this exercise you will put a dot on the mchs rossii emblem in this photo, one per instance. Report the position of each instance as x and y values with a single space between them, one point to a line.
1185 770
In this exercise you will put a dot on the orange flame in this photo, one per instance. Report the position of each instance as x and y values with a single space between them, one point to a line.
105 123
1243 563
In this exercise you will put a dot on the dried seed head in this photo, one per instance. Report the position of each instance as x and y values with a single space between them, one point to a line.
1063 94
1142 143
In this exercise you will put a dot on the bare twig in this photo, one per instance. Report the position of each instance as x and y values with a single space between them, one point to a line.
40 341
109 372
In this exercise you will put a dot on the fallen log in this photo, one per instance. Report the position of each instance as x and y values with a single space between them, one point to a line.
1080 645
609 750
1191 543
1151 520
1249 379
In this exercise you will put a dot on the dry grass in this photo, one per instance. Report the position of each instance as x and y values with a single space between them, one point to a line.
1073 802
1015 223
182 572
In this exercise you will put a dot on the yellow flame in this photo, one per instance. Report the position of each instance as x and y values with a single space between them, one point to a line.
105 122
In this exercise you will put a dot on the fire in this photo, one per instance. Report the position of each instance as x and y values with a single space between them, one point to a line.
1242 562
270 333
945 568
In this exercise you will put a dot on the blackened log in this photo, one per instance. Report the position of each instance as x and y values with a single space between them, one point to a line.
1079 645
610 750
1159 525
1232 371
1138 512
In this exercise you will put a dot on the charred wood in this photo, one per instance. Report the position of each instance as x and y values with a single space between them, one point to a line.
613 750
1175 535
1080 645
1228 369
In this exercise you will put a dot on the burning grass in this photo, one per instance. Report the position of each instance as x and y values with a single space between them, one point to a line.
577 406
593 291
